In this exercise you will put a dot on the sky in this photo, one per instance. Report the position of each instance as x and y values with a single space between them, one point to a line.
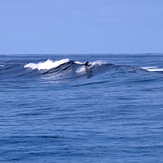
81 26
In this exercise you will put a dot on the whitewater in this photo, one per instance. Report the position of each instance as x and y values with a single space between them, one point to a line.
56 109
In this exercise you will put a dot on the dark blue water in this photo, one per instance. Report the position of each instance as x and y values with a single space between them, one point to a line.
54 109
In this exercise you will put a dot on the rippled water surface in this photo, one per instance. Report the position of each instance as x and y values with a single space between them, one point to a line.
53 108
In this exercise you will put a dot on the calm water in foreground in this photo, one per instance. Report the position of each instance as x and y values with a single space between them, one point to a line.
54 109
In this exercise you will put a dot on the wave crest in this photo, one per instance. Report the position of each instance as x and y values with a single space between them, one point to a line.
49 64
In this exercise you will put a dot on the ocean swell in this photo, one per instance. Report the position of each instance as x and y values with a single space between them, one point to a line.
69 70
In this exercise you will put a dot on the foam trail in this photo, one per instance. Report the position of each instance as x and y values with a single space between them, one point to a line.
49 64
98 63
77 62
81 70
152 68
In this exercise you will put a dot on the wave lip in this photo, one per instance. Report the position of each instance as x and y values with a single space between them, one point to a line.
47 65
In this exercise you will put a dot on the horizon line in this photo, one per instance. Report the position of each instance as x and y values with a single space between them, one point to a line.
79 53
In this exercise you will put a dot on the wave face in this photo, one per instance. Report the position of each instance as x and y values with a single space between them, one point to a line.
66 69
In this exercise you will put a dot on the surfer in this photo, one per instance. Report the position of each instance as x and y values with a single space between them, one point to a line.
88 69
87 64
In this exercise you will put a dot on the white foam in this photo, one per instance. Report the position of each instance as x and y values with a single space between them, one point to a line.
152 68
49 64
77 62
81 69
98 63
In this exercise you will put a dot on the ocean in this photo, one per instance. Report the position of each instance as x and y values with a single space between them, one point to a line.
55 109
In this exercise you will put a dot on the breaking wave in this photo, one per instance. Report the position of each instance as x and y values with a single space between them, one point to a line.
49 64
68 70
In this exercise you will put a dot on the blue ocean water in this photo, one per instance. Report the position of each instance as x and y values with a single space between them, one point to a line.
55 109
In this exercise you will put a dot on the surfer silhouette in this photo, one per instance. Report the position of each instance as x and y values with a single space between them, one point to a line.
88 69
87 64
